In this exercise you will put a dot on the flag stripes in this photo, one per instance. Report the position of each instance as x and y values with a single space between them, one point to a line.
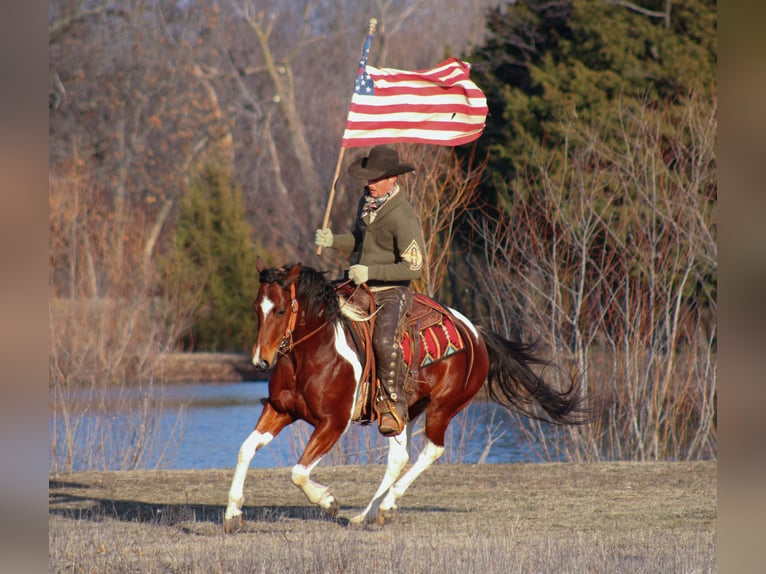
439 106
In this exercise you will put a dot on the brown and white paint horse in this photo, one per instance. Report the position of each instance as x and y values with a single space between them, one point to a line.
305 340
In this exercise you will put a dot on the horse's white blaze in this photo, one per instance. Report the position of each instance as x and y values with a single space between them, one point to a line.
266 306
428 456
465 321
246 453
315 492
344 349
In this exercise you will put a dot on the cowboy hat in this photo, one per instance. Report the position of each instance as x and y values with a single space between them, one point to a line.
382 162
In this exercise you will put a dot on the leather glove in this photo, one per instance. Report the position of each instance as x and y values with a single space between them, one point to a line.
323 237
359 274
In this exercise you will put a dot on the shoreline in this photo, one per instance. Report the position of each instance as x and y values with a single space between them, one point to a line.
208 367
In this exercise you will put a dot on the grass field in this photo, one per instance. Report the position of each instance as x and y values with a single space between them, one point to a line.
560 517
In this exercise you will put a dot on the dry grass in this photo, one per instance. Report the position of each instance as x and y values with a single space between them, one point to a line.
561 517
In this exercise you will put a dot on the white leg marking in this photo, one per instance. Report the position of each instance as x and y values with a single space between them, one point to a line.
315 492
428 456
465 320
397 459
246 453
344 349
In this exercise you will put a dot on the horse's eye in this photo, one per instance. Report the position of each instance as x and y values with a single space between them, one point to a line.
280 312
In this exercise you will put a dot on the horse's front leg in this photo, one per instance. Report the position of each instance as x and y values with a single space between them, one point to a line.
397 459
268 426
325 435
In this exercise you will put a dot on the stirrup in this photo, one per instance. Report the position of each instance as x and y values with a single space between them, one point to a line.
390 423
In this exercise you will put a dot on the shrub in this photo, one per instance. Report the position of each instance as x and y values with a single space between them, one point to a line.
212 264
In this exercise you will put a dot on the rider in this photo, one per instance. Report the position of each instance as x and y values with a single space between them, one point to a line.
385 248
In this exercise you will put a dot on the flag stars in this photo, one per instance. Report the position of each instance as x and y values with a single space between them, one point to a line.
364 84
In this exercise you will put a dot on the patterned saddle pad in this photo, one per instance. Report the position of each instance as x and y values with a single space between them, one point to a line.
432 334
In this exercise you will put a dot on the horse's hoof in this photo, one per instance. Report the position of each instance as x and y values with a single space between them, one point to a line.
333 509
386 516
233 525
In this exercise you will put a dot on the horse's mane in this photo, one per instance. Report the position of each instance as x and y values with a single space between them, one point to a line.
313 288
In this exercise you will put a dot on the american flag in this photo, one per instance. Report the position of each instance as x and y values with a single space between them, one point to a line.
439 106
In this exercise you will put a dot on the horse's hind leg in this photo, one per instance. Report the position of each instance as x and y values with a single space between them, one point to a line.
269 425
397 459
436 427
325 435
430 454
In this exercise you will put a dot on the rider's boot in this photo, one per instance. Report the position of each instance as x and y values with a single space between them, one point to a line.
391 401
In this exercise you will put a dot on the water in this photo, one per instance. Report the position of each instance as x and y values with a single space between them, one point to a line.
216 418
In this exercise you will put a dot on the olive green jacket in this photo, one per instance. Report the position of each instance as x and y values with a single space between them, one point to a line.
391 246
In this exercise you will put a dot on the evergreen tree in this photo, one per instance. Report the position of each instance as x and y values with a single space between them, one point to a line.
571 86
548 64
212 265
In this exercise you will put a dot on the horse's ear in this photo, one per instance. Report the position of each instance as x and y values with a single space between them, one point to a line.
292 275
260 265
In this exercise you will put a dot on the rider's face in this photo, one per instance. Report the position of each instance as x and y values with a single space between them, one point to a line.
380 187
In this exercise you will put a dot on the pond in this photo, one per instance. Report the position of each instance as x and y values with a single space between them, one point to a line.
201 426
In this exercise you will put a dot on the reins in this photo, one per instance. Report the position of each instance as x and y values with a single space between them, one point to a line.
287 343
288 336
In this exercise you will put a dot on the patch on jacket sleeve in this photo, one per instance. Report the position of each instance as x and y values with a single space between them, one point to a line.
413 255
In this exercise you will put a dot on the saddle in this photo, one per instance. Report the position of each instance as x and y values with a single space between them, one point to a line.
430 333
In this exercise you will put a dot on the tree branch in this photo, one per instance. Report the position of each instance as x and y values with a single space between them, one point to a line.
61 26
665 15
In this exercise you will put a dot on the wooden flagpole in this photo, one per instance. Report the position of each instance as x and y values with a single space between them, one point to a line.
326 221
328 209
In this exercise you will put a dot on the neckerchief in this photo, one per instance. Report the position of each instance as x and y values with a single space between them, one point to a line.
373 204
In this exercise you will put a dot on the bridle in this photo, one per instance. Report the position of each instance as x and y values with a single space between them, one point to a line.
287 338
288 344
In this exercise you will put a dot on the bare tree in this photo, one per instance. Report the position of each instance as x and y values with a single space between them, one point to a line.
132 106
612 264
664 14
143 91
280 72
441 191
105 345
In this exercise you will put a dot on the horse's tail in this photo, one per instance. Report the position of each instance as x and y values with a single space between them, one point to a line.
511 380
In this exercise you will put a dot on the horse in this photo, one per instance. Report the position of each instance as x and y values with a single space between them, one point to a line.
306 339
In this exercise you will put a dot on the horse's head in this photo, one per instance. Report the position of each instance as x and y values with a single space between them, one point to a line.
276 306
292 300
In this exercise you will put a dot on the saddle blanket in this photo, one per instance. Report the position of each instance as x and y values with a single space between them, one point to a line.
435 342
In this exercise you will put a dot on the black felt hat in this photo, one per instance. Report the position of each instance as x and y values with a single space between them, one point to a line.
382 162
